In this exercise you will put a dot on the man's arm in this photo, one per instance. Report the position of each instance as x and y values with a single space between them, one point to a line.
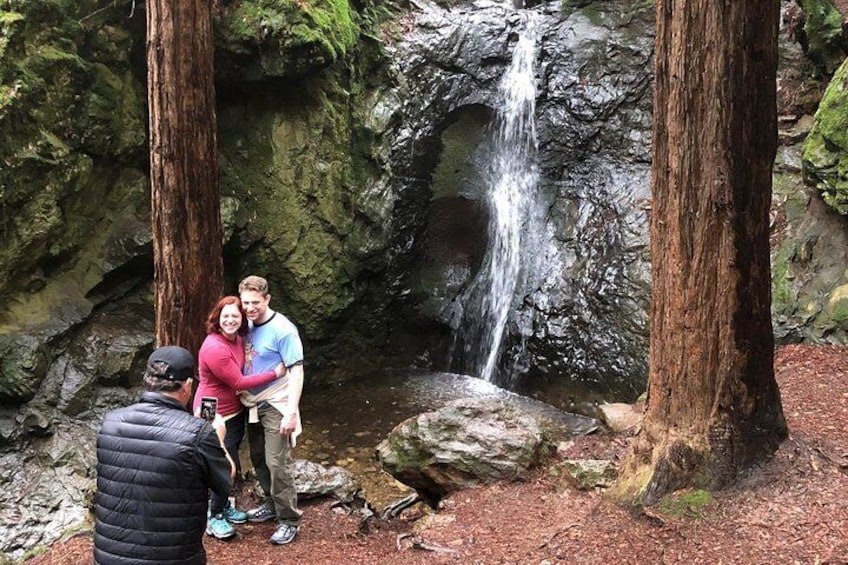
220 427
289 422
220 468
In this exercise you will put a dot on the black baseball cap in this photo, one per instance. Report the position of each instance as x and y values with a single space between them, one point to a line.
171 362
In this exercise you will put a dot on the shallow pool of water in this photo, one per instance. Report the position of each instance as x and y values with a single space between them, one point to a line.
343 423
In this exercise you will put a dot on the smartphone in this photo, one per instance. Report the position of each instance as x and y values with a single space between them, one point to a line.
208 407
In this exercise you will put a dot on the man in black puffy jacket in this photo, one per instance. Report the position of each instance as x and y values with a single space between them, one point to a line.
155 464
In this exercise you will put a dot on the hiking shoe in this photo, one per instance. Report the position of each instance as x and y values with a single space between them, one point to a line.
219 528
284 534
261 514
234 516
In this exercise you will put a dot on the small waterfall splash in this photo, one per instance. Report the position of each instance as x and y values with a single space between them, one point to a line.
512 177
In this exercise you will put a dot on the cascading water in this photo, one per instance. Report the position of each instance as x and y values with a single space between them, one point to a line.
512 176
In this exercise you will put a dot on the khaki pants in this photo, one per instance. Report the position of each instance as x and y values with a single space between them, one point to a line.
271 456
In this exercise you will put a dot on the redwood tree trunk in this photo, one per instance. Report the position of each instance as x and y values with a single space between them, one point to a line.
186 216
713 404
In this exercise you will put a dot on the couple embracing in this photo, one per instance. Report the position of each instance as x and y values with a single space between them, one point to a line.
252 362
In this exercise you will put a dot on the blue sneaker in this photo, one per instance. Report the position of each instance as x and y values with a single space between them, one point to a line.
219 528
234 516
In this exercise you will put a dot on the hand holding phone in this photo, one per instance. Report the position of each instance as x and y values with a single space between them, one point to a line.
208 407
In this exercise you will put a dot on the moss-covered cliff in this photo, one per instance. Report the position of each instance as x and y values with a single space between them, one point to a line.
299 198
280 38
298 175
72 148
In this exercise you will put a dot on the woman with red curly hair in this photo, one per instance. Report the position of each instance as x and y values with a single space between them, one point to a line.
220 362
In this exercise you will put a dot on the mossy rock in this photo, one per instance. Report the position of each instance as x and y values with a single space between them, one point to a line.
301 207
784 300
837 306
825 159
69 103
587 474
283 38
823 39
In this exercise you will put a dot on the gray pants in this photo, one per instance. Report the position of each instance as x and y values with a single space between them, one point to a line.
271 456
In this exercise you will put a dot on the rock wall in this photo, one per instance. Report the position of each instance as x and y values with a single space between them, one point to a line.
346 135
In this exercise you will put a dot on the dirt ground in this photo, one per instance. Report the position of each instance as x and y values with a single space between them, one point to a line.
792 509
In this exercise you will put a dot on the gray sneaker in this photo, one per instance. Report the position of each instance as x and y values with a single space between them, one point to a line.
261 514
284 534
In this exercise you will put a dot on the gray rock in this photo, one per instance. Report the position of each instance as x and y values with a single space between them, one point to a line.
464 443
315 480
591 473
619 416
47 488
23 362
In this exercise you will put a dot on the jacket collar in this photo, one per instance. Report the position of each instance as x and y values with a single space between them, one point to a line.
162 399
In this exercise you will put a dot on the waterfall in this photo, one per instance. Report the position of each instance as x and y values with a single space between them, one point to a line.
512 176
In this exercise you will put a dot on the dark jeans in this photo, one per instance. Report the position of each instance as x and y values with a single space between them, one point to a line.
235 433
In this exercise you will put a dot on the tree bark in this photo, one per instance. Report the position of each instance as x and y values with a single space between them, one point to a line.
185 202
713 403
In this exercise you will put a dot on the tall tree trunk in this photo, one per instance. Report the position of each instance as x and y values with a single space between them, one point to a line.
186 215
713 404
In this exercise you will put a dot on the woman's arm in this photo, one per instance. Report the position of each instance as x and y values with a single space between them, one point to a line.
223 365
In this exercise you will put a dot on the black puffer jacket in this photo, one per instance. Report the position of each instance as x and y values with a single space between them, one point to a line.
155 462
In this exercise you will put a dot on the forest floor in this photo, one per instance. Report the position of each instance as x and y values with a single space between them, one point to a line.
791 509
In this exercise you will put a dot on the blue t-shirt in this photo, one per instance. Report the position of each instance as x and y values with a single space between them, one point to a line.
270 342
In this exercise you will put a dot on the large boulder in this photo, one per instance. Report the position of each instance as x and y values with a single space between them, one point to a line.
467 442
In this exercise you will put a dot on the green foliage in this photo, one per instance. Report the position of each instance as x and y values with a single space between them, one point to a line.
35 552
685 504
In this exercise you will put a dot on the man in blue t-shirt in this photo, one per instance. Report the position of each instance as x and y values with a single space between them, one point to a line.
273 338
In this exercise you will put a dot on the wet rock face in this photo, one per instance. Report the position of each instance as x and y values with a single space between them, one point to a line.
579 311
46 489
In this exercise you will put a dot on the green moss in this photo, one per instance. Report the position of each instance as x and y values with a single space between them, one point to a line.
61 112
34 552
825 158
639 7
823 31
782 293
7 28
596 12
290 163
586 7
685 504
290 35
837 306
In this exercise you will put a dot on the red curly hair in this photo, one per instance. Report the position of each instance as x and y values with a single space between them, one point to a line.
213 321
